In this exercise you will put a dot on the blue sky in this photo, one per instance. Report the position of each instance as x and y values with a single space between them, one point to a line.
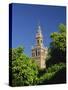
25 19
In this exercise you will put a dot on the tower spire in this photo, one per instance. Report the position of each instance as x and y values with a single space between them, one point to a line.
39 37
39 27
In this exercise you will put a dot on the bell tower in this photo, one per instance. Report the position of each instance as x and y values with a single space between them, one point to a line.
39 52
39 37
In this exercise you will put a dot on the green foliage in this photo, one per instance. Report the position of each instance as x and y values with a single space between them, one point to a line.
62 28
56 67
53 75
59 38
16 52
56 60
24 69
47 76
57 50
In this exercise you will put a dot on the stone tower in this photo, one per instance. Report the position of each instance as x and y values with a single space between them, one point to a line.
39 52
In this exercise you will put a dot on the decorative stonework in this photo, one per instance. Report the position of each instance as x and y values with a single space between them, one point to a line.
39 52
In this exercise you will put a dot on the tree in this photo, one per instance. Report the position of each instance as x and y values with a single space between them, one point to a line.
54 75
57 50
24 69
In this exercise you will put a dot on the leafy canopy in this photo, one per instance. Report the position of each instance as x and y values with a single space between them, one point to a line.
57 50
24 69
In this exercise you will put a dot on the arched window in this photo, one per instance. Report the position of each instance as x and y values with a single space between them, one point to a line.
41 41
37 41
36 52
